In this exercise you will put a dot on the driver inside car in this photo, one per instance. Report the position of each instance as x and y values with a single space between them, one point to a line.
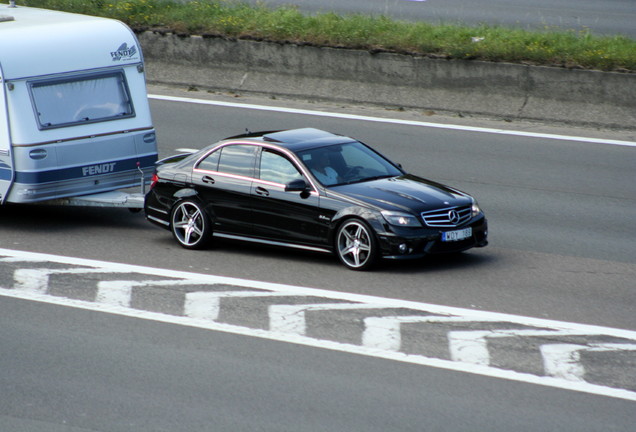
321 169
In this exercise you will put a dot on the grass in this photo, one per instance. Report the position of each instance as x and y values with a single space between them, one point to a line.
228 18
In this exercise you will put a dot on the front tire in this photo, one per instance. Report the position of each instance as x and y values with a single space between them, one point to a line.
356 245
190 225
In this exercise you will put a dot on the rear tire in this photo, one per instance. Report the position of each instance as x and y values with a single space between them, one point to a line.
190 225
356 245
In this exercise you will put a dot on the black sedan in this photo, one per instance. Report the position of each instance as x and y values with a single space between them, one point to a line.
313 190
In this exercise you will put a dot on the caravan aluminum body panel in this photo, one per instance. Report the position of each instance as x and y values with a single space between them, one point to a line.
74 98
6 174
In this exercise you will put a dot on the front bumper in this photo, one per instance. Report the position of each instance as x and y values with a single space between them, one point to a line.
407 244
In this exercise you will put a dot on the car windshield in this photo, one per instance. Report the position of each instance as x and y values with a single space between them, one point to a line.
347 163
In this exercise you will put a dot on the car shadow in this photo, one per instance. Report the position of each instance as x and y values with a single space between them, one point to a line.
48 219
432 263
438 263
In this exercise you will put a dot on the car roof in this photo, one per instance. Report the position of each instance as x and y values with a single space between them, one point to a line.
299 139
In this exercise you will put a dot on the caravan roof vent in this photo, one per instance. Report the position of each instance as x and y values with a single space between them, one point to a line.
4 18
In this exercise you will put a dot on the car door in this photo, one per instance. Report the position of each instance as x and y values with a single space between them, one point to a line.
223 179
289 217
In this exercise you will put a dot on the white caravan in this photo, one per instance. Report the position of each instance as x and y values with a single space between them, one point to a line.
74 113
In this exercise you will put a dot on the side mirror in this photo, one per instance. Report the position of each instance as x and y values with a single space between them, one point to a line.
298 185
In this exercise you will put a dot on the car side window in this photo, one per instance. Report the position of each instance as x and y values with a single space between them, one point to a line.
211 162
277 168
237 159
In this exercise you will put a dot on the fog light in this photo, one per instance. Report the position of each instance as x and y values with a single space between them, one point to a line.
403 248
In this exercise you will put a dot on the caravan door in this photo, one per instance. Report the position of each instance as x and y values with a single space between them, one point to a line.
6 164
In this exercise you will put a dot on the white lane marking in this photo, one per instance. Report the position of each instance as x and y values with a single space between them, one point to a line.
291 318
475 315
116 293
563 360
392 121
385 332
330 345
560 360
37 280
472 346
207 305
194 278
31 280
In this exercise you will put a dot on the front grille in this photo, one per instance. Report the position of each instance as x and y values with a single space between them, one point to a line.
448 217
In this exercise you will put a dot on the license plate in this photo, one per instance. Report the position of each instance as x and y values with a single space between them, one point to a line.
450 236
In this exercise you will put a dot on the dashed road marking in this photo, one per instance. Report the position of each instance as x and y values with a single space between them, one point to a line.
564 360
206 305
291 318
386 328
472 346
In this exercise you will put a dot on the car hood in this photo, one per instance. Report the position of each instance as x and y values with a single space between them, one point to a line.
404 193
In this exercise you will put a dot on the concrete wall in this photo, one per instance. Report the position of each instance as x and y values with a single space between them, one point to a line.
394 80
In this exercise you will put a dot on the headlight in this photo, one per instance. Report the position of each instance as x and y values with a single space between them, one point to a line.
401 219
476 210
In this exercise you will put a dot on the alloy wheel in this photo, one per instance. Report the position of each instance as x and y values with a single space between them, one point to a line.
355 245
190 225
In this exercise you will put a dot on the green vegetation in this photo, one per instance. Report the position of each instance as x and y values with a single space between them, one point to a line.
227 18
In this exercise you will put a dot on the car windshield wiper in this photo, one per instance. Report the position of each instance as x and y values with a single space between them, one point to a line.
379 177
366 179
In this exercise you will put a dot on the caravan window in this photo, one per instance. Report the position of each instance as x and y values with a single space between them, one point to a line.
80 100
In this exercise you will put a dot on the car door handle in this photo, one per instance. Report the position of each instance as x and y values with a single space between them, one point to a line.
208 179
262 191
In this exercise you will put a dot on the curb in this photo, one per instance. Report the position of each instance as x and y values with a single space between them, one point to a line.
502 90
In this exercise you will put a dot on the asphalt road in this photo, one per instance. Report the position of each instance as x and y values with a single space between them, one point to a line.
607 17
67 370
561 216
